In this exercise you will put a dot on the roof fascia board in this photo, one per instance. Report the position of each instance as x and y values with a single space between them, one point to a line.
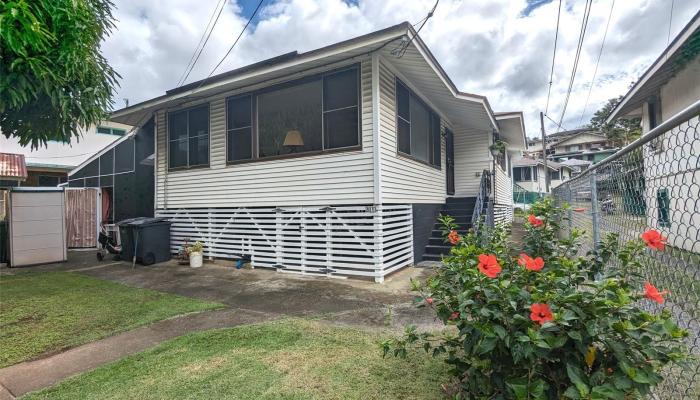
511 115
660 61
394 34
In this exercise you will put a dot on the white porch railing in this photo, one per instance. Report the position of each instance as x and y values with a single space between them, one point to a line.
370 241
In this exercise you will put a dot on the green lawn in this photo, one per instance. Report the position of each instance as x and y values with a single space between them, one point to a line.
48 312
291 359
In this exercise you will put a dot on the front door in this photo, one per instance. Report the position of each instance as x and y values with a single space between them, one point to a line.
450 161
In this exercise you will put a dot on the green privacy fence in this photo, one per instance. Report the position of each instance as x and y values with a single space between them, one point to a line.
523 196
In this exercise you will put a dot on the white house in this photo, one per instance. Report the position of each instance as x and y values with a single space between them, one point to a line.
335 161
671 161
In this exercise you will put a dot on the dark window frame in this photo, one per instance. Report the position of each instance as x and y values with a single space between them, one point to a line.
167 143
663 206
111 131
255 155
436 162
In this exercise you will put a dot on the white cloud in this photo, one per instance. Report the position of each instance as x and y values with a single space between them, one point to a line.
486 47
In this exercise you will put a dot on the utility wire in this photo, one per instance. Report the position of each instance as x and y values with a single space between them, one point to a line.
584 25
557 124
595 71
401 50
260 3
554 56
202 42
670 19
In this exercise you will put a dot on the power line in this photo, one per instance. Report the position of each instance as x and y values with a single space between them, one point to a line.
670 19
554 55
584 25
595 72
401 50
557 124
234 43
202 42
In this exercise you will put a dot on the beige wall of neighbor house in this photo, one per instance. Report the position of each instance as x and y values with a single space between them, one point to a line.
538 184
584 141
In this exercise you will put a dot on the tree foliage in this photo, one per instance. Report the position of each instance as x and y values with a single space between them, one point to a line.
53 78
621 131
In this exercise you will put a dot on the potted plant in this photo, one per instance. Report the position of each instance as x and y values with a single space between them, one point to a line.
497 148
195 254
183 257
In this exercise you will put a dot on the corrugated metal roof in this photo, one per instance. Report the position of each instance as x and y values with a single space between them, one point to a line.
13 167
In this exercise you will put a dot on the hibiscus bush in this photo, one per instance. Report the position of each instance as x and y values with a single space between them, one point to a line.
541 322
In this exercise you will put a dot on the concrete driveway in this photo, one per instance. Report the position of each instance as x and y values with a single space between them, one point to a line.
350 301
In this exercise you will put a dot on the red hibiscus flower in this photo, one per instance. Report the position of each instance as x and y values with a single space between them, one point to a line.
534 221
532 264
488 265
454 316
454 237
652 293
540 313
654 240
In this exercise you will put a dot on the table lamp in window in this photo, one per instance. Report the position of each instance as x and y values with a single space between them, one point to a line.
293 141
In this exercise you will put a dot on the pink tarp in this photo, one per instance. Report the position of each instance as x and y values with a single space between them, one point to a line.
81 217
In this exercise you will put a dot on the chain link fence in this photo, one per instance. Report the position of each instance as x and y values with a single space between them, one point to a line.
653 183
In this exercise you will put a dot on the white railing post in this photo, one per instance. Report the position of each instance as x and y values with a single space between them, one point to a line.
378 244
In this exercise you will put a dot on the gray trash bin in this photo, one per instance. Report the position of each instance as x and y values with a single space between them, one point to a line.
148 238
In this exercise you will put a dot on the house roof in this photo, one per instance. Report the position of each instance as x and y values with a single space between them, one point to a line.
44 166
512 127
531 162
658 74
574 162
579 133
417 64
13 167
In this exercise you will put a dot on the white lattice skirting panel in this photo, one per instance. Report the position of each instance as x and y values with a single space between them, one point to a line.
369 241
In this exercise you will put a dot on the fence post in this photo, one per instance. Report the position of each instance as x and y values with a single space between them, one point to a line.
570 211
594 210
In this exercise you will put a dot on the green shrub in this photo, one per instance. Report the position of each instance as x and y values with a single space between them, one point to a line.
545 324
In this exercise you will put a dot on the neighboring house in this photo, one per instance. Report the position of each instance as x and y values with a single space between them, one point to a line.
584 145
559 175
13 169
123 170
576 166
56 158
336 161
530 174
671 164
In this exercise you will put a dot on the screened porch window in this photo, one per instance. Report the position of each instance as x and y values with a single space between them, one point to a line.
306 116
523 174
417 127
188 137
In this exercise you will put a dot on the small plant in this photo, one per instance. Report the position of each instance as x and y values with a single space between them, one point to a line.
498 147
542 322
183 255
196 247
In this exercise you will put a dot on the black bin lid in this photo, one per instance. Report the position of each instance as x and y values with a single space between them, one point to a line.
142 221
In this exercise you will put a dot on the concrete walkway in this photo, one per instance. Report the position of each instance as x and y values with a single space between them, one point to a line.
25 377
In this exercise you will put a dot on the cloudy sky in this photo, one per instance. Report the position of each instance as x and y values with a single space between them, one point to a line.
498 48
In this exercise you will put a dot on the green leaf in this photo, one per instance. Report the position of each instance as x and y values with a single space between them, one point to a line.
606 391
519 387
487 344
576 376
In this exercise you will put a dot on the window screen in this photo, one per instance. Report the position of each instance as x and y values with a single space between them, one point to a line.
239 123
340 109
417 127
188 137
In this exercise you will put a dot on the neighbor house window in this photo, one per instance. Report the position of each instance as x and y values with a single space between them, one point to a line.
663 203
309 115
554 175
522 174
188 137
417 127
48 180
105 130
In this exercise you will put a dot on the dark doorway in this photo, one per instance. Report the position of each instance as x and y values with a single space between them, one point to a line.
450 161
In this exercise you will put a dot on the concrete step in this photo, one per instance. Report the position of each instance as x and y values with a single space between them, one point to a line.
432 257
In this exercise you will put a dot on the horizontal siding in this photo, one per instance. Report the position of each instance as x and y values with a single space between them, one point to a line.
472 157
329 179
403 180
504 187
